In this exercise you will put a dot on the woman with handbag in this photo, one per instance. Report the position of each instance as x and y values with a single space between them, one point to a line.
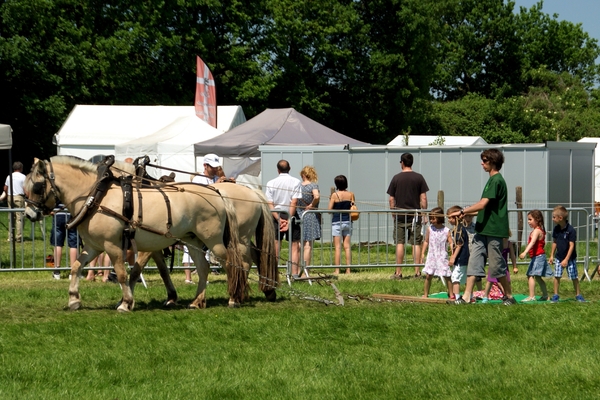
341 225
311 229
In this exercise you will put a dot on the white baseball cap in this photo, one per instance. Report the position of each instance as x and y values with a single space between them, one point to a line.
212 160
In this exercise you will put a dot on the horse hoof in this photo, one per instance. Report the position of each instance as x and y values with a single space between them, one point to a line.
198 306
170 303
123 309
74 305
271 295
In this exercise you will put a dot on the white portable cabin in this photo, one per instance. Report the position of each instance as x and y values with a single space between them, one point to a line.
596 165
549 174
428 140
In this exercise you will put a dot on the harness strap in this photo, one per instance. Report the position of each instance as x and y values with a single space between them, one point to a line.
112 213
140 214
128 230
168 203
105 180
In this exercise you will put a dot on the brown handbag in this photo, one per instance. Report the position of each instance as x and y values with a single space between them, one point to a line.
353 215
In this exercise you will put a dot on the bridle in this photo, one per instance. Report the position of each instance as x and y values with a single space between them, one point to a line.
39 188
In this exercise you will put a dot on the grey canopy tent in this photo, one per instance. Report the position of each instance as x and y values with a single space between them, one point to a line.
281 126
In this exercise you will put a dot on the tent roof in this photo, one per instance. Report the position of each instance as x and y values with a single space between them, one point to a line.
5 137
183 132
107 124
284 126
425 140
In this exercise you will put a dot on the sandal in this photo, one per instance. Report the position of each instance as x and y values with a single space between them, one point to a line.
397 277
528 299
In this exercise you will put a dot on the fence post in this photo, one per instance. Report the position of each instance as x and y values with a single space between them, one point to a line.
519 203
440 199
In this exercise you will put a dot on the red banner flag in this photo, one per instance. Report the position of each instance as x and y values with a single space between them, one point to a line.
206 94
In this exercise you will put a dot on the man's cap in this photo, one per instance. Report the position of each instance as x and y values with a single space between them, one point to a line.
212 160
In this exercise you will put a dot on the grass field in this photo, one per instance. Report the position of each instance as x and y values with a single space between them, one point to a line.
293 348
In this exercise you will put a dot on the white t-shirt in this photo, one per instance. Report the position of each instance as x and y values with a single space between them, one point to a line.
281 190
204 180
18 180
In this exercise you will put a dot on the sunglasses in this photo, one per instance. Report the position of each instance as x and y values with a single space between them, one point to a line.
485 160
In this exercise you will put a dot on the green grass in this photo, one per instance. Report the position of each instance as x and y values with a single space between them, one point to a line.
293 348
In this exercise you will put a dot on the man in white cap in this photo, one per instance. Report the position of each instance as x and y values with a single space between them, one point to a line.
211 166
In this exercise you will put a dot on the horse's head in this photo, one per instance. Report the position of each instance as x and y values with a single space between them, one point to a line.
41 191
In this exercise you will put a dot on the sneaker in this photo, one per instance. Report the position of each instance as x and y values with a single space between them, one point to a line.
484 300
555 298
509 301
56 276
580 298
473 300
189 282
457 302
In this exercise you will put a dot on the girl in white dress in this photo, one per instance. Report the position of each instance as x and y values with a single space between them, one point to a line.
437 239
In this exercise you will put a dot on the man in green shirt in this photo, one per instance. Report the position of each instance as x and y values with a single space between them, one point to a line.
491 228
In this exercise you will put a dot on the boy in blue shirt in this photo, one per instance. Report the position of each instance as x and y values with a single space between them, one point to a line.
564 238
460 254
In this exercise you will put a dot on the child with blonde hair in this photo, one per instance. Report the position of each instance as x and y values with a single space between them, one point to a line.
437 238
564 237
460 253
538 266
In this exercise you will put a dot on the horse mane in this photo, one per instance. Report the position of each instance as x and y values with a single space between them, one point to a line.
88 166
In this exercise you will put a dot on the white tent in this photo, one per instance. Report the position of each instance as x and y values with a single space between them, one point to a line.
5 137
171 146
96 129
426 140
596 165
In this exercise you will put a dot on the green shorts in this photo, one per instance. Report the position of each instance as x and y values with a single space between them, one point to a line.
408 230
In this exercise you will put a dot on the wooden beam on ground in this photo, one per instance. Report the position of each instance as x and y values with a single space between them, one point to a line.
412 299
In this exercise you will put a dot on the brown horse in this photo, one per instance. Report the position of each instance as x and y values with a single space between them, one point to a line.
254 220
199 216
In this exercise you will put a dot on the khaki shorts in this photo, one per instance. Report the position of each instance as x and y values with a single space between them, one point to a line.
486 248
403 229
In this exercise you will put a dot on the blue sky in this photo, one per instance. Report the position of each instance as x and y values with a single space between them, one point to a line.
586 12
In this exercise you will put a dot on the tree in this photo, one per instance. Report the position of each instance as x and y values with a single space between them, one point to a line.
558 46
479 49
393 68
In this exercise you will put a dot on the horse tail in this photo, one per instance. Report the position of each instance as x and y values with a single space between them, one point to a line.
265 241
237 279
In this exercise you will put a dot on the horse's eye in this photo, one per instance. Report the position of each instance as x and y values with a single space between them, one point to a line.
38 188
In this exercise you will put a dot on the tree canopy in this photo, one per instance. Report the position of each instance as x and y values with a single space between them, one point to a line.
368 69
